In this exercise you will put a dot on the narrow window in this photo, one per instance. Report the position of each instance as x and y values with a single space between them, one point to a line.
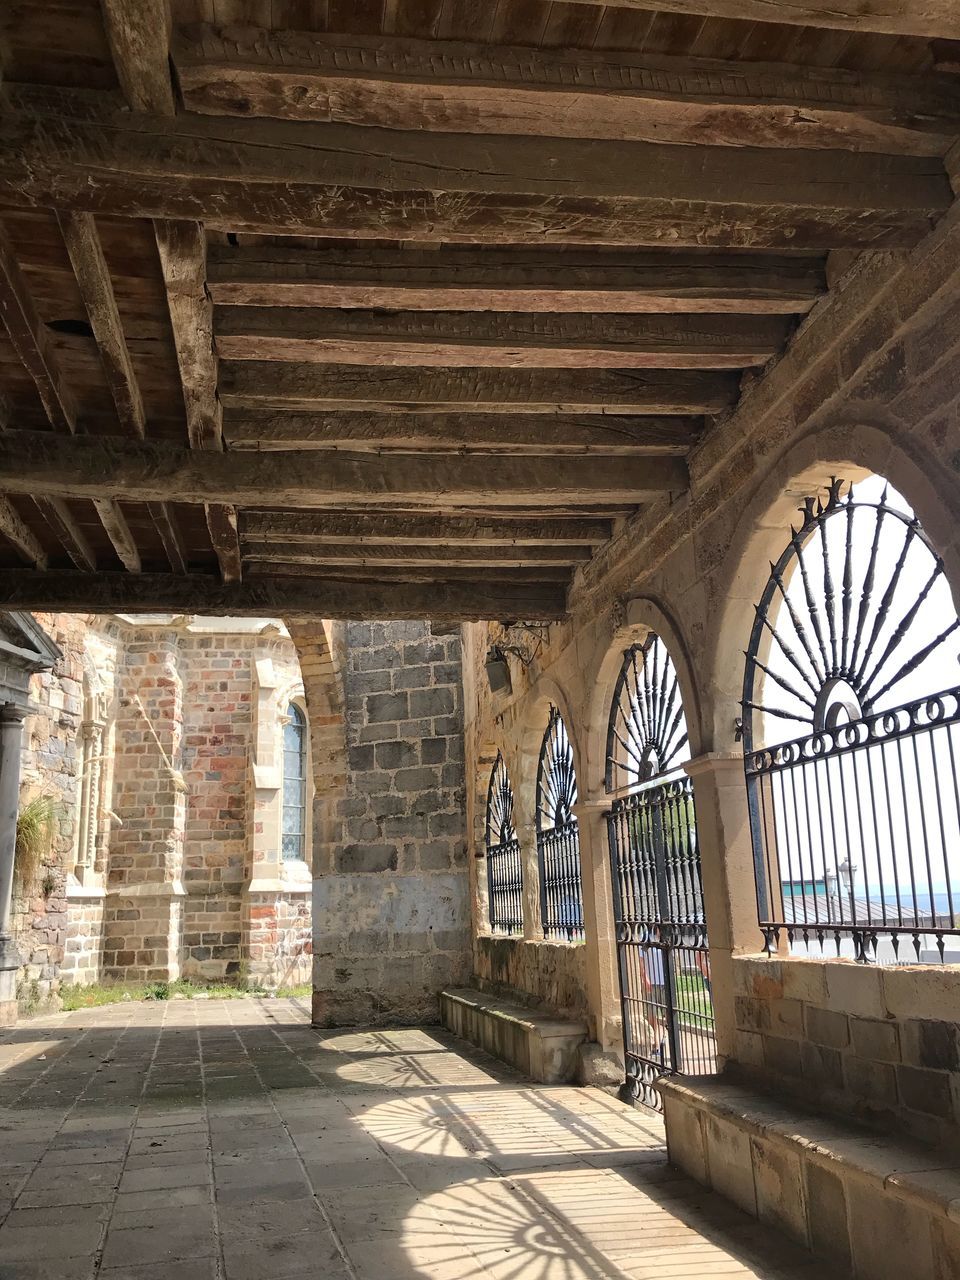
504 863
294 783
558 836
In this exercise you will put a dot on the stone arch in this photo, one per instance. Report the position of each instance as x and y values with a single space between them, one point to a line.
639 617
319 650
762 530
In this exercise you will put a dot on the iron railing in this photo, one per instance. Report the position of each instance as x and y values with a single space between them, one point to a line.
666 996
856 833
561 888
505 887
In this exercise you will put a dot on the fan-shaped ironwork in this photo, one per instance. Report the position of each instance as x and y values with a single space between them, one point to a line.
647 731
558 836
504 861
852 735
843 624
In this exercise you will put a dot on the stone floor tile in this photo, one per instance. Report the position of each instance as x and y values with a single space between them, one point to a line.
28 1244
194 1269
255 1218
172 1197
157 1179
313 1253
48 1269
153 1240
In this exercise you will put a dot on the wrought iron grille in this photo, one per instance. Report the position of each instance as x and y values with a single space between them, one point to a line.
504 861
855 818
558 836
664 963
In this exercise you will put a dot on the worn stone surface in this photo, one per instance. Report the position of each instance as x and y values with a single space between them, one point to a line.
230 1139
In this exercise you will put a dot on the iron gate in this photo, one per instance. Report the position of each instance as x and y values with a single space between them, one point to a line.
664 963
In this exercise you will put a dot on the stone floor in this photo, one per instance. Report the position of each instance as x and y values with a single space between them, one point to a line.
226 1139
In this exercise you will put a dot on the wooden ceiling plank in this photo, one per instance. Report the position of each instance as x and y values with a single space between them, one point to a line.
79 231
118 531
409 573
31 340
40 464
313 598
72 538
506 340
371 528
457 88
930 18
138 32
519 432
254 384
480 556
291 177
460 279
15 529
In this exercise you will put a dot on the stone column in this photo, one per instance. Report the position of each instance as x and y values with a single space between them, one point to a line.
603 980
11 733
729 888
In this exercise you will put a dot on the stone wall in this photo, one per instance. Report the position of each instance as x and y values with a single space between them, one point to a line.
391 899
879 1043
551 975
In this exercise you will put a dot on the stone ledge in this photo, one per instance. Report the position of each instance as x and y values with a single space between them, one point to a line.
782 1164
541 1045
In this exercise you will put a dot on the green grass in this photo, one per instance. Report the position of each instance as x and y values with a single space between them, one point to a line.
101 993
692 995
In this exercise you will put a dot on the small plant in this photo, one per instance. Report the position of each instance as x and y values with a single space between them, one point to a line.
157 991
35 824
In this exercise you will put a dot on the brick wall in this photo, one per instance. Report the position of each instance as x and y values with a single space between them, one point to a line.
391 900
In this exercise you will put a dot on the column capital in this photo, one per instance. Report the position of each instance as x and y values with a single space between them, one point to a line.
11 713
715 762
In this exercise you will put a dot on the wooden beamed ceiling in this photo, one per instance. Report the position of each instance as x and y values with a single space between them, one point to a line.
402 315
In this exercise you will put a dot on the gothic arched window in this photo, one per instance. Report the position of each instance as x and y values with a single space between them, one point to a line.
294 784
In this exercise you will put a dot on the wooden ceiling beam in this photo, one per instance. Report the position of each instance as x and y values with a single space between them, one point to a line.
515 433
316 528
15 529
458 88
115 523
315 598
378 572
292 178
41 464
65 528
479 556
161 514
460 279
138 32
31 340
254 384
930 18
183 258
506 340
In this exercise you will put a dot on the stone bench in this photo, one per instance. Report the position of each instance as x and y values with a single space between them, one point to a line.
887 1207
541 1045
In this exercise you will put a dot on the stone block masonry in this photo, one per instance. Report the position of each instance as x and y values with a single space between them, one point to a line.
391 897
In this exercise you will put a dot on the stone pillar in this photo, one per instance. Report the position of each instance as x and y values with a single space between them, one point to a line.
603 980
729 888
11 734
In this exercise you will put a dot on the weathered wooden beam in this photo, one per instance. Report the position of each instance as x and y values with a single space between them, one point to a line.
320 597
16 530
410 573
934 18
316 528
458 88
91 467
291 177
183 257
59 517
162 516
518 432
254 384
479 556
31 340
139 36
118 531
80 235
459 279
222 527
509 340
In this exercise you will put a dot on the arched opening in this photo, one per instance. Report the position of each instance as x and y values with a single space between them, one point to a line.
850 715
558 835
664 967
504 860
294 790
